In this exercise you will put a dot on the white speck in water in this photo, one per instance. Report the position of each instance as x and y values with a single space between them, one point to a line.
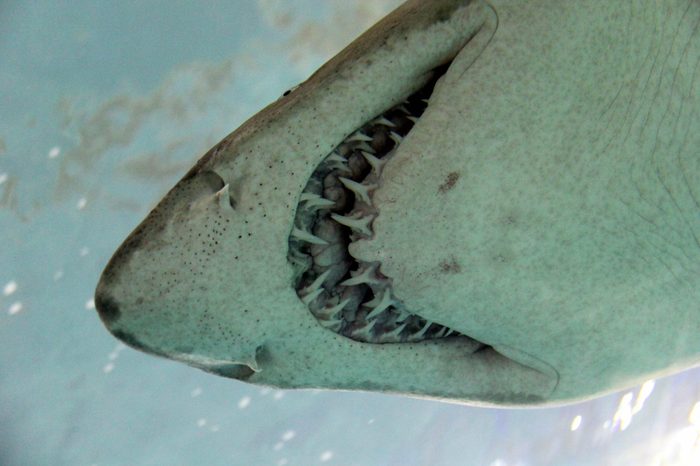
644 392
287 436
54 152
57 275
278 446
3 177
82 202
90 304
326 456
201 422
278 395
694 416
575 423
264 391
607 424
623 415
9 288
84 251
282 462
109 367
196 392
113 356
371 421
15 308
244 402
214 428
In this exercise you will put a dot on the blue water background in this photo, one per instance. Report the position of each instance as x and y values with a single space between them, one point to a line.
104 105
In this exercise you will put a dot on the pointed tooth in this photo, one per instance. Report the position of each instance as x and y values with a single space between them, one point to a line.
422 331
315 200
309 297
403 108
363 146
385 302
425 101
395 333
440 333
376 164
308 237
358 224
337 162
383 121
364 333
358 137
335 157
332 311
333 324
396 137
361 191
367 275
316 284
412 118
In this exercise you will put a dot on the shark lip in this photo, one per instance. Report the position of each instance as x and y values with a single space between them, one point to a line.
350 296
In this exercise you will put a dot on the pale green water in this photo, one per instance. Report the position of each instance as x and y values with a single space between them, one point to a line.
104 105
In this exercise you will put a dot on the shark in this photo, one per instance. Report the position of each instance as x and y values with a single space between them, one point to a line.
484 202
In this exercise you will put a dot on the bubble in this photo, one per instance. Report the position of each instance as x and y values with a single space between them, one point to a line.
575 423
15 308
244 402
9 288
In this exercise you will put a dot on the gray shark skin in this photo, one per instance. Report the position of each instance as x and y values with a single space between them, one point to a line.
542 214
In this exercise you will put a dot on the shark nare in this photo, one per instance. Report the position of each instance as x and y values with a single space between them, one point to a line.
492 203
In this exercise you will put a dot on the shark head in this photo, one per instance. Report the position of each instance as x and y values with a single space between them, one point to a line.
438 211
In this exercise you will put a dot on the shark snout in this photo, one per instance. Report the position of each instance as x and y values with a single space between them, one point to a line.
107 307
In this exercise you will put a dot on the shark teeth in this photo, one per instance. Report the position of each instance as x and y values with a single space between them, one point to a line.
376 164
366 275
314 201
308 237
359 224
360 190
347 295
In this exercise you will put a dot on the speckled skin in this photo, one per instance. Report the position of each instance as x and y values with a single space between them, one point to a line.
544 204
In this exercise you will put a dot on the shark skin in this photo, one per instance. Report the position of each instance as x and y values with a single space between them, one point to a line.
545 205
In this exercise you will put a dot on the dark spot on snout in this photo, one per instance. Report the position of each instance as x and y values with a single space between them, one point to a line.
107 307
449 183
450 266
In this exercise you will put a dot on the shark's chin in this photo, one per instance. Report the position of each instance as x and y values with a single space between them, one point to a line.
346 293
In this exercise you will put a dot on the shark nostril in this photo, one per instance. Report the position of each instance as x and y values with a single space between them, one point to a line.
213 180
107 307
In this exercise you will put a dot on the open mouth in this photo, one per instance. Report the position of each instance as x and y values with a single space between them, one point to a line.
347 295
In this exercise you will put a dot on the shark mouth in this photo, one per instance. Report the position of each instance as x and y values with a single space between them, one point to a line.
347 295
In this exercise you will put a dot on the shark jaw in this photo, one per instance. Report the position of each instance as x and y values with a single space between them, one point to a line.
339 241
209 278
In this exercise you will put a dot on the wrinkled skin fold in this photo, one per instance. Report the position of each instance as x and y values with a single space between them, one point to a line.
544 207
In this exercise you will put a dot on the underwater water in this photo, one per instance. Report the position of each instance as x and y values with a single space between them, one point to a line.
104 106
